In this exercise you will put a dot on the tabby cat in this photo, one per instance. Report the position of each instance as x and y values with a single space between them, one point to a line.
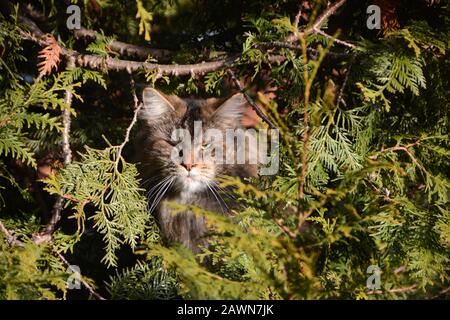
191 180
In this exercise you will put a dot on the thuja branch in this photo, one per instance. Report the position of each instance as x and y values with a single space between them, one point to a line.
35 34
116 46
99 63
13 242
308 77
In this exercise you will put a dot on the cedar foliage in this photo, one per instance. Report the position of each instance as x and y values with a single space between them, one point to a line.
372 188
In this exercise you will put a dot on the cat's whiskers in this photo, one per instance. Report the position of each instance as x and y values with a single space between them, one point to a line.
217 196
161 192
228 193
149 180
155 192
151 191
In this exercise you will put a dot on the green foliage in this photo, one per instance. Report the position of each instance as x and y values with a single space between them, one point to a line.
30 272
17 103
364 156
112 188
393 74
144 281
145 19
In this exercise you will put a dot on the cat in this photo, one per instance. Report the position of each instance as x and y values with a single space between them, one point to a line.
189 180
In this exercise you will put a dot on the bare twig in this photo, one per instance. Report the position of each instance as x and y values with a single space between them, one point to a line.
255 107
286 229
128 49
340 98
443 292
66 119
400 270
311 51
304 153
315 27
395 290
46 235
329 11
308 85
85 284
298 16
137 107
336 40
10 238
398 147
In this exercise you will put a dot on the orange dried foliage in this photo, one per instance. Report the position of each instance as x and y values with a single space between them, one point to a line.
388 14
50 56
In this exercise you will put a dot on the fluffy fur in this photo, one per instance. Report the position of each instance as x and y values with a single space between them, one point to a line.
189 182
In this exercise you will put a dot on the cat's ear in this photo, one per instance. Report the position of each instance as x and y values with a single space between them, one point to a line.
156 105
230 113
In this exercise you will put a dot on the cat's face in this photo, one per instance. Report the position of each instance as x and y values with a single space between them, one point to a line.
178 144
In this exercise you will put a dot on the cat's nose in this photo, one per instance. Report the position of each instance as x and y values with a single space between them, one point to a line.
187 166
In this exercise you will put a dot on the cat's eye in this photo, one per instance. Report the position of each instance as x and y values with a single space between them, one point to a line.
180 153
173 142
206 146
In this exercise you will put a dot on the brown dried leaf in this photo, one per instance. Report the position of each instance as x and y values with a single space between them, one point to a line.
50 55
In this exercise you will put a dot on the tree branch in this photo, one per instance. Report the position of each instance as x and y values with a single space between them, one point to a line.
111 64
83 282
99 63
127 48
137 107
258 111
116 46
10 238
46 235
342 42
311 51
315 27
68 96
395 290
329 11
